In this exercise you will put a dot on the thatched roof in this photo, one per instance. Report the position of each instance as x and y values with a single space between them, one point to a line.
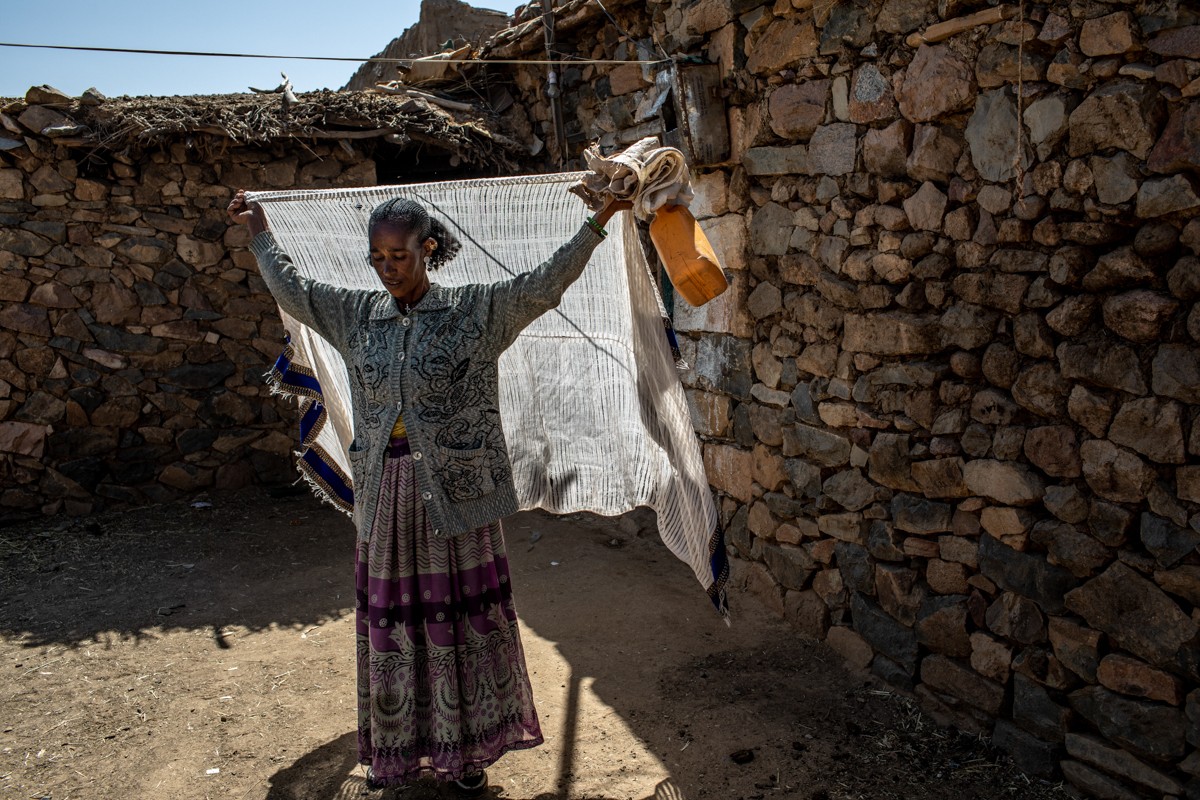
116 123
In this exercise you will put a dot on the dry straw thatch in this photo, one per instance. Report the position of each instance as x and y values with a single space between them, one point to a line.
117 123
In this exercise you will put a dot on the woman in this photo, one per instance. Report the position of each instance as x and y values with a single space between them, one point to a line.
442 686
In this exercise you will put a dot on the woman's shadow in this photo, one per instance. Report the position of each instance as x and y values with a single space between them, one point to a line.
331 772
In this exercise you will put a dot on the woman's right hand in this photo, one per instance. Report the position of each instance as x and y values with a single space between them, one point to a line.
242 212
611 207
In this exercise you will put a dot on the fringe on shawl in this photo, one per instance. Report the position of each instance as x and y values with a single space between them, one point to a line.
326 479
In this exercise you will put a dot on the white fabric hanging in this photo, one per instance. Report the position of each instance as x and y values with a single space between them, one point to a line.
594 414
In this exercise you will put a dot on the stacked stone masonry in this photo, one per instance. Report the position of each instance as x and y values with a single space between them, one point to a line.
950 402
134 329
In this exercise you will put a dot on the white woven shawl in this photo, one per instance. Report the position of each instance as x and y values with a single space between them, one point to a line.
594 414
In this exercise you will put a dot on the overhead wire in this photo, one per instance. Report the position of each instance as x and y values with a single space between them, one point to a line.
371 60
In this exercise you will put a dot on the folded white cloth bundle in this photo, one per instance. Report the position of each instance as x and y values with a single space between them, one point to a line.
593 411
648 175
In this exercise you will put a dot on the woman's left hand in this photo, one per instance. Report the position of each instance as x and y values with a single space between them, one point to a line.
605 214
242 212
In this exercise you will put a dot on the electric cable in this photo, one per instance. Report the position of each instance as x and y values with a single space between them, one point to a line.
371 60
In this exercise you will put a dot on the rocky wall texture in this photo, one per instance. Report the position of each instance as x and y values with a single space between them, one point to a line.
950 401
134 329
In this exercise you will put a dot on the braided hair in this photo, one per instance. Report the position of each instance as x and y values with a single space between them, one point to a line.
409 216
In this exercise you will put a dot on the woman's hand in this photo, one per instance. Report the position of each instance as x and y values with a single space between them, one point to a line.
243 213
605 214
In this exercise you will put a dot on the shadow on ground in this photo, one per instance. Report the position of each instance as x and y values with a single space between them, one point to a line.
243 560
644 693
322 775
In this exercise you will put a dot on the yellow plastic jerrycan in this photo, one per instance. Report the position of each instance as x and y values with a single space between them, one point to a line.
687 256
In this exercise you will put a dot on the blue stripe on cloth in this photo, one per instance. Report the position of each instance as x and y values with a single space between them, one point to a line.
315 464
311 419
291 380
673 343
718 563
318 465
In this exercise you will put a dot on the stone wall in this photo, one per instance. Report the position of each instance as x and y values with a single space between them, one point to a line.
950 401
134 329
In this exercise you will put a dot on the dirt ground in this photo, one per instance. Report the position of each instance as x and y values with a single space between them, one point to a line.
207 652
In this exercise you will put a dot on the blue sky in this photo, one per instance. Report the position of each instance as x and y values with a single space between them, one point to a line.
296 27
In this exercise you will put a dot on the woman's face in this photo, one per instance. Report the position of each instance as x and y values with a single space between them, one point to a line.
399 260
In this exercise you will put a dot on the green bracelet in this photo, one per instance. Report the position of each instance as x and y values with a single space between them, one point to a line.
591 221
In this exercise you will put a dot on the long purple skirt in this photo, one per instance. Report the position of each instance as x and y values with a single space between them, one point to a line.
442 684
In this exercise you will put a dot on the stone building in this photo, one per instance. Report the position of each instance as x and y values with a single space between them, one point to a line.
134 329
949 404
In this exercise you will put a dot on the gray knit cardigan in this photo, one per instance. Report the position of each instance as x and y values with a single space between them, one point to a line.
436 368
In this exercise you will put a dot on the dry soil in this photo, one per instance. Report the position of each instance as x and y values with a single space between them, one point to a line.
206 651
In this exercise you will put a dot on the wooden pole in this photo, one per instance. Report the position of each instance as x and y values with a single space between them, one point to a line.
944 30
554 73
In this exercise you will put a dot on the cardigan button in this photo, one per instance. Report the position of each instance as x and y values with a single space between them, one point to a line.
426 495
405 322
438 533
417 456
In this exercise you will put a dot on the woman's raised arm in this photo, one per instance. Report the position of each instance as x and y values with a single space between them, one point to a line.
332 311
518 301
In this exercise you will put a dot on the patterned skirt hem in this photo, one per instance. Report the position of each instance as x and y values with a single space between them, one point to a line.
444 776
